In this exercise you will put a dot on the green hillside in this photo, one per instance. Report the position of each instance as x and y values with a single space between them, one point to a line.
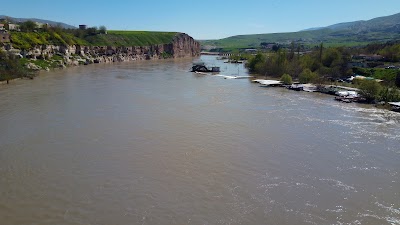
27 40
380 29
131 38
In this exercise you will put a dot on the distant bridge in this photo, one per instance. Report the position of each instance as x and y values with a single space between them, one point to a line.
217 53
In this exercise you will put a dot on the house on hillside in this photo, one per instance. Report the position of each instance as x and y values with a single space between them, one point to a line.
2 26
39 25
82 26
13 26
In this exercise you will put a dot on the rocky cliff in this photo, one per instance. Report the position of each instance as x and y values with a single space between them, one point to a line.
182 45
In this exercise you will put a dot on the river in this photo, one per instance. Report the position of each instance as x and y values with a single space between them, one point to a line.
150 143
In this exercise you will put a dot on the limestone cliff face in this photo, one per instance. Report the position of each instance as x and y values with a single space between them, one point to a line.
182 46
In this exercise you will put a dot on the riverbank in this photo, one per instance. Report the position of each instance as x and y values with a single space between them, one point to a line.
342 93
47 57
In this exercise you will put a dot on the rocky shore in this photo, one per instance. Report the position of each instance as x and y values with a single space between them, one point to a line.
53 56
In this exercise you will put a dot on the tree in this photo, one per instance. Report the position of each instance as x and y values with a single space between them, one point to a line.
321 48
275 48
369 89
292 49
103 30
307 76
331 57
10 67
398 79
28 26
255 62
310 61
92 30
389 94
286 79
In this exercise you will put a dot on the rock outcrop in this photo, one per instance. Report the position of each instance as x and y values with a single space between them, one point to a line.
182 45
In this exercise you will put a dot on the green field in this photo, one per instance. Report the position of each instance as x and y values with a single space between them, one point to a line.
131 38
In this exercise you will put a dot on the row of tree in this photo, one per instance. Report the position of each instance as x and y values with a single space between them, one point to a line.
320 65
31 26
389 50
326 62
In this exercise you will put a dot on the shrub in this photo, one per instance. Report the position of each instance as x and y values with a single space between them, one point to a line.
369 89
11 67
307 76
389 94
286 79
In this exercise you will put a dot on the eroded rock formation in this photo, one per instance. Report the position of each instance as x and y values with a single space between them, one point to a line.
182 46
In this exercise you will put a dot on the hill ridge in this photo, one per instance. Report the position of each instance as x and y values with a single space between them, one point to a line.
379 29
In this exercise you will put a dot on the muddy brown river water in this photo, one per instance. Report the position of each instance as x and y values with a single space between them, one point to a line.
150 143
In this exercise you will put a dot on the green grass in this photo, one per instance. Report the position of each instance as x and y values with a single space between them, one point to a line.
385 74
131 38
27 40
378 73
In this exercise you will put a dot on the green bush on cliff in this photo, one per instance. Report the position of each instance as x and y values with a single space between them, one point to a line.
11 67
166 55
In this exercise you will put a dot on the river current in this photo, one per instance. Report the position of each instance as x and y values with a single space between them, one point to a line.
151 143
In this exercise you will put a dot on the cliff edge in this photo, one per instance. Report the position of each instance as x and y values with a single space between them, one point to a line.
51 55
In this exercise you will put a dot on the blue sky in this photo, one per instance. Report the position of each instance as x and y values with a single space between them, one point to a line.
202 19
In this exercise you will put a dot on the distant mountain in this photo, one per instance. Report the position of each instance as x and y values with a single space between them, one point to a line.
314 28
376 24
52 23
380 29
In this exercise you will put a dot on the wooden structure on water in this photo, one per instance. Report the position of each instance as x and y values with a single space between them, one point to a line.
201 67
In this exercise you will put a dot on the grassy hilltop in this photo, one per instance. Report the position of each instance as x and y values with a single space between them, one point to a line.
27 40
131 38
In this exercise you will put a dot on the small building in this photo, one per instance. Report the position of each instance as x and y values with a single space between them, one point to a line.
12 26
368 57
4 37
2 27
82 26
200 67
